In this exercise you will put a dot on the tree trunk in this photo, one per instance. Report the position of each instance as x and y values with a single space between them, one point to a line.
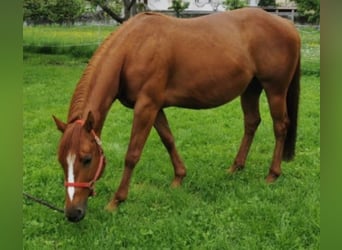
129 10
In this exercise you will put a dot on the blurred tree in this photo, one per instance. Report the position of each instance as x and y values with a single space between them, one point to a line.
35 11
52 11
178 6
309 9
66 11
266 3
114 8
234 4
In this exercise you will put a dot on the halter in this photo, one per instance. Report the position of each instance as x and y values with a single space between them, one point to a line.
100 168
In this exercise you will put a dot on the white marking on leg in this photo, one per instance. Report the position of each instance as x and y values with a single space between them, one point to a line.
71 178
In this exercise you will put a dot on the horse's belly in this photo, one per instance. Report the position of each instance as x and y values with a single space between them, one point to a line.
203 96
193 87
194 103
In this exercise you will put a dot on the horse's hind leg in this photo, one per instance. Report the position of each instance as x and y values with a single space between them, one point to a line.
250 108
166 136
277 102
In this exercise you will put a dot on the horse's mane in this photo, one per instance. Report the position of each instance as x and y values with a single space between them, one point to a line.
87 80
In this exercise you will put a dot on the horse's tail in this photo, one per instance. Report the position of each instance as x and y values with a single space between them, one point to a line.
292 102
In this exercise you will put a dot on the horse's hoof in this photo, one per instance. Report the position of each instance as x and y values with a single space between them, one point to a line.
177 182
112 205
231 170
271 178
234 169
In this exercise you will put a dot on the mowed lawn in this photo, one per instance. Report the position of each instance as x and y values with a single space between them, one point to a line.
211 210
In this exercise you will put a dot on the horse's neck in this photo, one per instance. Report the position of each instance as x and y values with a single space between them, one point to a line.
96 90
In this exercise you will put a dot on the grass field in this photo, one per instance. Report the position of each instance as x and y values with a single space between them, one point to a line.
79 41
212 210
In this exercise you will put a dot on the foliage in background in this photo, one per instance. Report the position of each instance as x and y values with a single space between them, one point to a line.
68 11
234 4
35 11
114 8
178 6
52 11
309 9
266 3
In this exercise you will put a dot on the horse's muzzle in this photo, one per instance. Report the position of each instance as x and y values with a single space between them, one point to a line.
75 214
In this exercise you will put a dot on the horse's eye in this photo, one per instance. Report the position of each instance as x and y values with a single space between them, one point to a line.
86 160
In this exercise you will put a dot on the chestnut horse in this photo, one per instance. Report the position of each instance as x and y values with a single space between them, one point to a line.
155 61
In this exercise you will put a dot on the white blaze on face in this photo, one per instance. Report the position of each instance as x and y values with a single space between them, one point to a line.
71 178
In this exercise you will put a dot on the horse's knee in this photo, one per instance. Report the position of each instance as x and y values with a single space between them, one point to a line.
168 142
251 124
132 159
280 128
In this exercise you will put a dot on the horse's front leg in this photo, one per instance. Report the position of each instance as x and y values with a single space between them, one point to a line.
162 126
144 116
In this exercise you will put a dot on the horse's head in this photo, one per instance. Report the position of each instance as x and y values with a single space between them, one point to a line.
83 162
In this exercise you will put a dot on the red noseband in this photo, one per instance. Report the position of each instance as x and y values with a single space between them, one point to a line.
100 167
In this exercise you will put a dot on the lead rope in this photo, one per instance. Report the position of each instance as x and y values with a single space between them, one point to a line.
42 202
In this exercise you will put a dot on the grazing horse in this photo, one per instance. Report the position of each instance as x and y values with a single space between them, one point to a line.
155 61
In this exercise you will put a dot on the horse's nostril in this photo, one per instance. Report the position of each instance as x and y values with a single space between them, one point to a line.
75 215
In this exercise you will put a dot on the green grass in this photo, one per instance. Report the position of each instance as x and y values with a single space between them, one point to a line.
74 40
310 51
212 210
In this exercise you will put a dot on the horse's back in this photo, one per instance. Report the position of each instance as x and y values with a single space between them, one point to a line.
248 18
249 34
215 56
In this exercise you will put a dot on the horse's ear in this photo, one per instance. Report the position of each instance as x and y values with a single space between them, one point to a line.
60 125
89 123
